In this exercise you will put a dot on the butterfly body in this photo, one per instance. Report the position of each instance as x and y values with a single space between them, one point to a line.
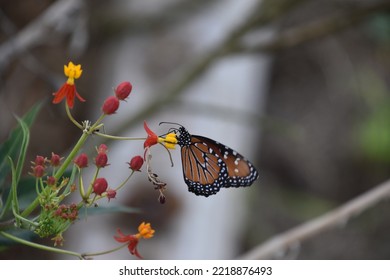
209 165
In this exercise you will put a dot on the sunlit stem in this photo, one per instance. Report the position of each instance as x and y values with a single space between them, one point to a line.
39 246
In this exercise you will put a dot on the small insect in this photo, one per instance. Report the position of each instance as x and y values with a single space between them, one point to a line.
209 165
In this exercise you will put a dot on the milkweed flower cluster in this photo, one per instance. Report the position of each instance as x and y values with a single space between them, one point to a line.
57 178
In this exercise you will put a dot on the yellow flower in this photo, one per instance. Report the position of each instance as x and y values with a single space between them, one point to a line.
145 231
169 141
68 89
72 72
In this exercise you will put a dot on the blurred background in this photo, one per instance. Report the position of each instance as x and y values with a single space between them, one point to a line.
300 87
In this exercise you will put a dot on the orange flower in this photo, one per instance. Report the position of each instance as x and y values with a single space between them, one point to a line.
169 141
144 231
152 138
68 89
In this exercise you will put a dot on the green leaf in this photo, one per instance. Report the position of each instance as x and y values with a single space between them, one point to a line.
11 147
14 150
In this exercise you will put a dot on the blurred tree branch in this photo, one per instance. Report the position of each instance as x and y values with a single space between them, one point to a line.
57 19
318 29
339 216
266 12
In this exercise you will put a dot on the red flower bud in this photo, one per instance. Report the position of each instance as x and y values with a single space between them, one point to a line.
101 160
100 186
38 171
51 181
110 105
123 90
81 161
40 160
136 163
55 159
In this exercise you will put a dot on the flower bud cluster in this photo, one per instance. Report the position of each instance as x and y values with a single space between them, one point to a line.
67 212
39 166
100 186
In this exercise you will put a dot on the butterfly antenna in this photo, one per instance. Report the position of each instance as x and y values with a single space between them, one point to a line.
170 123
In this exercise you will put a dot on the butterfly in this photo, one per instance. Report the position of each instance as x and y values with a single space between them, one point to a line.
209 165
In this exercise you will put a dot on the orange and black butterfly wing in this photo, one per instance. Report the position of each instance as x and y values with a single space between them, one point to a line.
209 166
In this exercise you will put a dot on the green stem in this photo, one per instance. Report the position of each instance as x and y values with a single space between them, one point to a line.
90 187
23 222
81 185
118 137
76 123
104 252
125 181
39 246
71 156
6 205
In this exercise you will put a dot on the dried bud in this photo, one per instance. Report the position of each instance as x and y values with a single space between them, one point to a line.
102 148
110 105
123 90
81 161
111 194
100 186
161 198
136 163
